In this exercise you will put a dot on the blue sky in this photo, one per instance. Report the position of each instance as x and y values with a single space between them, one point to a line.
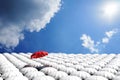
79 26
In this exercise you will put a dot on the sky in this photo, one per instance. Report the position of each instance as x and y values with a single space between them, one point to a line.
67 26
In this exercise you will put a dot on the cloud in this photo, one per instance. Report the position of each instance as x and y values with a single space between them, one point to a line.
95 46
105 40
88 43
9 37
17 16
109 35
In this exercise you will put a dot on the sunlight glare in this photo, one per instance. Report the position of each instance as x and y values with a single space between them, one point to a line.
110 10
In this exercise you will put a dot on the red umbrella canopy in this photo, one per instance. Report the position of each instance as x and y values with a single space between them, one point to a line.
39 54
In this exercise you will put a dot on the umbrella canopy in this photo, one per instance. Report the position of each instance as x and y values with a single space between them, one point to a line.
39 54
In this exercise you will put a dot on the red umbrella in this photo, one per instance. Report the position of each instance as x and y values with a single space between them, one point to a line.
39 54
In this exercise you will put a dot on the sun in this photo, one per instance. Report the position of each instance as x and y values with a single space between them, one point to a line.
110 10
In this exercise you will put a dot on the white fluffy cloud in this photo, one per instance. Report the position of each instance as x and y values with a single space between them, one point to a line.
10 36
88 43
30 15
109 35
92 45
105 40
